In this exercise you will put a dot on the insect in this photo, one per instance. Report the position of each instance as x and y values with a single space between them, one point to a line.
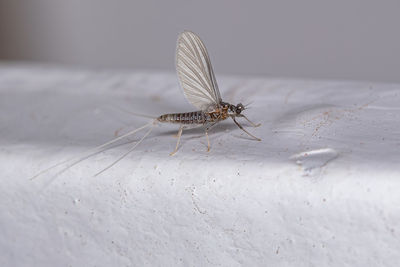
200 87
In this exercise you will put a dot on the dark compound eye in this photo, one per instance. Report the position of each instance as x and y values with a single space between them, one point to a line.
239 108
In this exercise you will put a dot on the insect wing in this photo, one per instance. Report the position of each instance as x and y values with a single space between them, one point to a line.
195 72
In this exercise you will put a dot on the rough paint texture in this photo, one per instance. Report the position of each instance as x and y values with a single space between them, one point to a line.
321 189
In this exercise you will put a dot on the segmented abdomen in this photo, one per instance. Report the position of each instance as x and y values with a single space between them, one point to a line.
197 117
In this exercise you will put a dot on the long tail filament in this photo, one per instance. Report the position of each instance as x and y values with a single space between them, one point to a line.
92 151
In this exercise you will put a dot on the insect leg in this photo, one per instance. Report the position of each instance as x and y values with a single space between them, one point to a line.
208 142
252 123
241 127
210 125
179 139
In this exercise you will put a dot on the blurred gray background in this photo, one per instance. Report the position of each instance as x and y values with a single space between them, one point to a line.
344 39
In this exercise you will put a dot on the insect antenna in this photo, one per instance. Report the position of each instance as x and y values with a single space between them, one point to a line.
246 106
92 151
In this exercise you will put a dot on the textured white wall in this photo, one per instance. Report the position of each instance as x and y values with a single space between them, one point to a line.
351 39
321 189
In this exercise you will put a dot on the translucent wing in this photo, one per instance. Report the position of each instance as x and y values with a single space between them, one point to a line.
195 72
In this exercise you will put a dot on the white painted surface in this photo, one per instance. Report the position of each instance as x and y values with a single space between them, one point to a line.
321 189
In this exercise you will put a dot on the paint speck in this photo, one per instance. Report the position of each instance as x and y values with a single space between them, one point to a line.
116 132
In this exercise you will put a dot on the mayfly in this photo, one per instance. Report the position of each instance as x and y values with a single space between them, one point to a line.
200 87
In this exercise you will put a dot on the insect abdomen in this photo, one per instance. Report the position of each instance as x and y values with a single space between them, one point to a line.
196 117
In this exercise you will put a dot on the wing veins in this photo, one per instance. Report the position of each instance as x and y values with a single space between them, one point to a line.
190 67
195 72
190 84
190 78
196 63
216 92
200 61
